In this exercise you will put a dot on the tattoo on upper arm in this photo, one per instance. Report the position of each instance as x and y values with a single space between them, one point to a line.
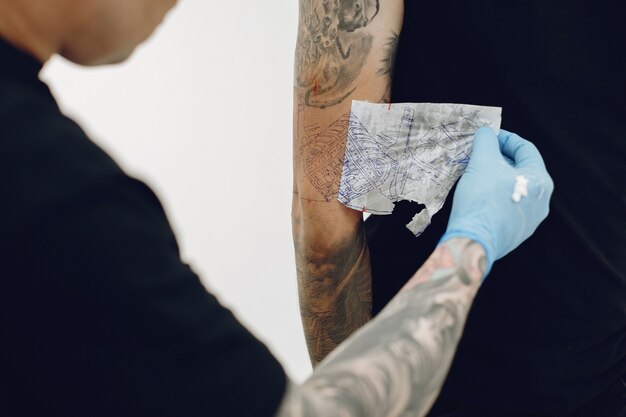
332 48
388 63
389 58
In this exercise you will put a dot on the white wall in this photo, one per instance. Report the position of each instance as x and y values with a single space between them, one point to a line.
202 113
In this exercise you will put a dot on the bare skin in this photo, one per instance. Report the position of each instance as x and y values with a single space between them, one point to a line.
343 53
87 32
396 364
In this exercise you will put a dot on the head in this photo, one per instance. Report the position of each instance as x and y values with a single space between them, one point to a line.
87 32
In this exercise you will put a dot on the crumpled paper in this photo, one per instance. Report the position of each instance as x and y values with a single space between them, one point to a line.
408 151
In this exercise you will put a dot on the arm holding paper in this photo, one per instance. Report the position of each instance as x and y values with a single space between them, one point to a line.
397 363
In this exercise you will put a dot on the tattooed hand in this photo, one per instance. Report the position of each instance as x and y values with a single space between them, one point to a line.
483 208
331 48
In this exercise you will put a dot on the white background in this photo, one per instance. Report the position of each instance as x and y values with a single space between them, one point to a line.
202 113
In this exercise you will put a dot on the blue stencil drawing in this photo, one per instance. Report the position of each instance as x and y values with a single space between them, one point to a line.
410 152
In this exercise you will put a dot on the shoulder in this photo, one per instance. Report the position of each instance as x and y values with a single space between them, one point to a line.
35 135
48 163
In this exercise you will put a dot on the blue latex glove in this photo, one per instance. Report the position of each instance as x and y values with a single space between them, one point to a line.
483 208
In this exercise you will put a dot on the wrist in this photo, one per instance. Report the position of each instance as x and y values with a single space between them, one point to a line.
489 256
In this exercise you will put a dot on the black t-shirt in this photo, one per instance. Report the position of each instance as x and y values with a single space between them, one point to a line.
98 315
548 328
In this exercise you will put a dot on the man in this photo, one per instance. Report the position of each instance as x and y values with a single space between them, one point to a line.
553 341
98 315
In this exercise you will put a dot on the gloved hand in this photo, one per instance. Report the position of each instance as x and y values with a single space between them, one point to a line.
484 207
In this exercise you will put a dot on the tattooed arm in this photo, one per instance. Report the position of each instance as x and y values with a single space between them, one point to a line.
345 51
396 364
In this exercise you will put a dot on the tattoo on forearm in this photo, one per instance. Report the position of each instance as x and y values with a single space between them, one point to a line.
332 48
335 293
396 365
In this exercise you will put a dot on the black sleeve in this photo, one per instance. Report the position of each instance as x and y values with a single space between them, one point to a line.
99 316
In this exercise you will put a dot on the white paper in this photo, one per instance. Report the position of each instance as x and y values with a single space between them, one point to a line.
408 151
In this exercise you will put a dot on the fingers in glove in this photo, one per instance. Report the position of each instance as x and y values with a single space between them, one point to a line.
524 154
486 148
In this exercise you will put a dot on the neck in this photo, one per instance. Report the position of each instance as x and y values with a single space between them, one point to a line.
24 26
